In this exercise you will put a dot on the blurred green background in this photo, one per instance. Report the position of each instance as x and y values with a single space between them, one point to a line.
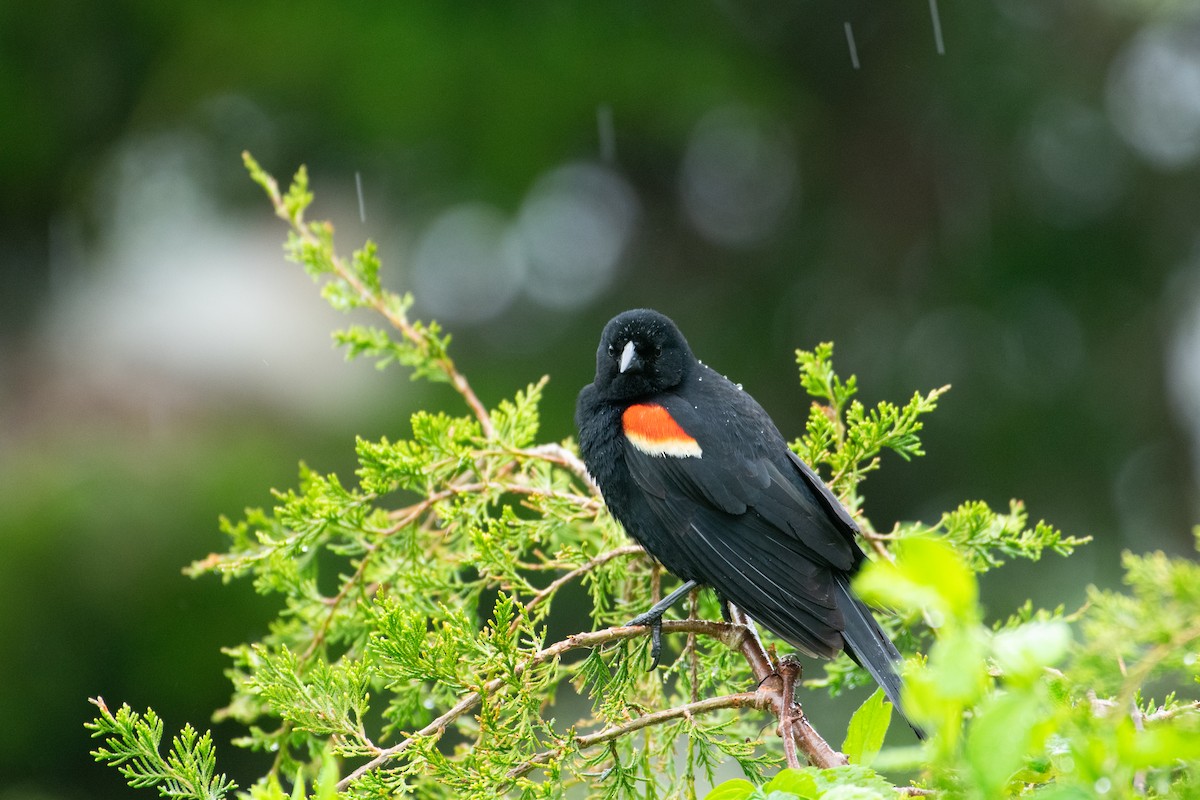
1016 215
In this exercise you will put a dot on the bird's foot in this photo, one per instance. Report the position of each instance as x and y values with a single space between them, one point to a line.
654 616
654 620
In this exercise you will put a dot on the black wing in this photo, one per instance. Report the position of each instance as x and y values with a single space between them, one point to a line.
751 520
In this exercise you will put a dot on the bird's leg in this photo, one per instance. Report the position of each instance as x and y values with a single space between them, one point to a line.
654 616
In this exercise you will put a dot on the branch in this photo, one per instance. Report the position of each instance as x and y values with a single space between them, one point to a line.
812 744
739 634
391 311
876 540
755 699
409 514
1167 713
789 671
557 583
721 631
560 455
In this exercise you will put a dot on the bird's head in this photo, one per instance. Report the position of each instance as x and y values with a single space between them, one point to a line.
641 353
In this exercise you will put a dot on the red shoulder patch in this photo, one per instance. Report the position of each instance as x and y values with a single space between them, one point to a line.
651 429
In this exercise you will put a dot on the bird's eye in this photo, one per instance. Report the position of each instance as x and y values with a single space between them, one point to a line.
612 350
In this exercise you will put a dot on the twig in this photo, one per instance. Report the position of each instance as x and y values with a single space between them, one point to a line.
752 646
812 744
755 699
876 540
406 515
1138 675
788 670
721 631
1168 713
389 311
1139 777
557 583
690 647
560 455
323 631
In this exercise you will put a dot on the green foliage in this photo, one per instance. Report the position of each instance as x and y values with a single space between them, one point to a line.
868 726
1153 630
413 655
132 746
833 783
983 535
1017 710
844 434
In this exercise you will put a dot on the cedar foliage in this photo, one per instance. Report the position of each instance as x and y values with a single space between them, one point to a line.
429 671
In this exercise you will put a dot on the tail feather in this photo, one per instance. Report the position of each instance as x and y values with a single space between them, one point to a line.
870 647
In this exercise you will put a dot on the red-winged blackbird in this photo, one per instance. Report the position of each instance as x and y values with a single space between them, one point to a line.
695 470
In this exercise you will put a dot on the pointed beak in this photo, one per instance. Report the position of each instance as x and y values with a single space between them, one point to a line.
627 357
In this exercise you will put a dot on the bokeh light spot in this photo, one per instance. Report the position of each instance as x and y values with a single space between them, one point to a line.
465 267
573 227
1154 95
739 173
1075 169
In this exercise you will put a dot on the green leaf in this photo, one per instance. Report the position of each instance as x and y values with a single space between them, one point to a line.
853 781
327 779
983 536
856 793
736 789
1157 746
269 788
868 726
797 782
1024 652
926 576
516 421
298 197
131 743
937 693
958 663
1001 736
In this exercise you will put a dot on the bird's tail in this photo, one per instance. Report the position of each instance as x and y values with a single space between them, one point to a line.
870 647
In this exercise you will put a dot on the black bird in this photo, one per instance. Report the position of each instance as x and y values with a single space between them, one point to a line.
695 470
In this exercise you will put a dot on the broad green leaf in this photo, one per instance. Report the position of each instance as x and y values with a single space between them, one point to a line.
868 726
736 789
927 575
1001 736
326 784
958 663
798 782
856 793
854 776
1023 652
1156 746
